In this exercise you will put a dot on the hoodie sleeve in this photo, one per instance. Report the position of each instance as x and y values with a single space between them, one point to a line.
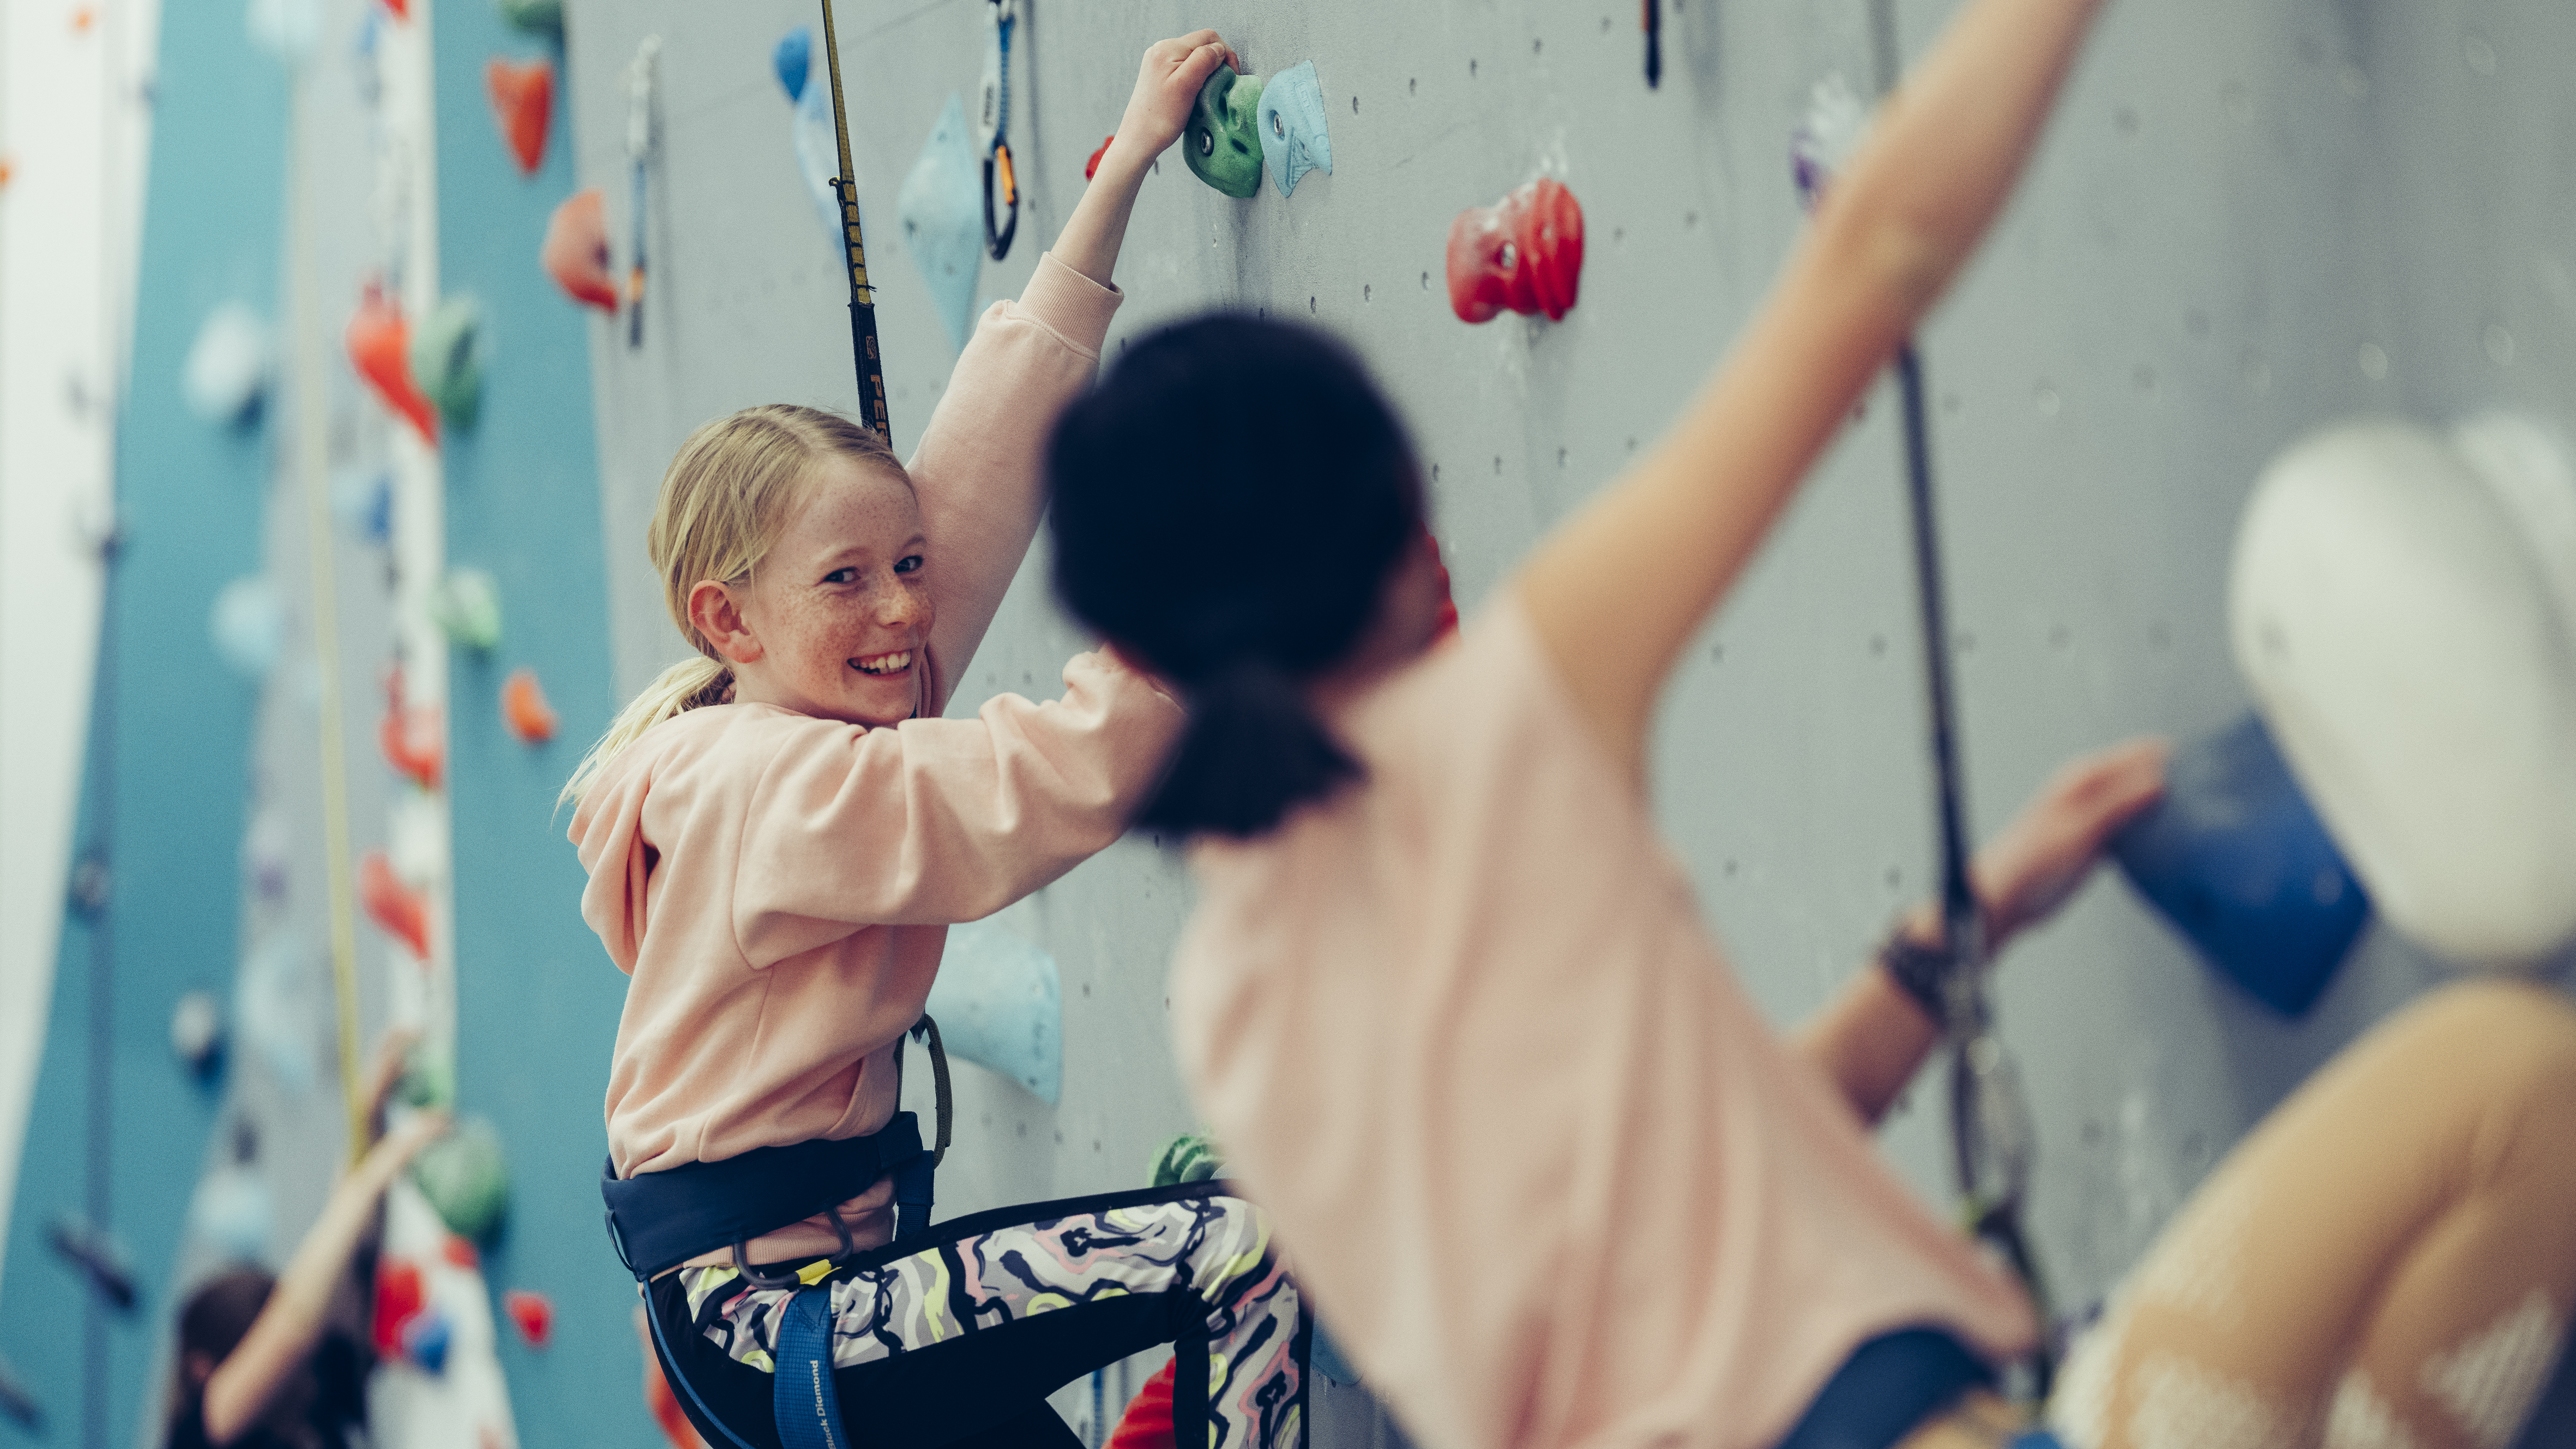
939 821
607 832
979 471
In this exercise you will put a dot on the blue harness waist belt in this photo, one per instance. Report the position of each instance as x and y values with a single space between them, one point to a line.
659 1220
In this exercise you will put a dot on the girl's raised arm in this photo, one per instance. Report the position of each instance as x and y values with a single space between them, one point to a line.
1616 591
977 471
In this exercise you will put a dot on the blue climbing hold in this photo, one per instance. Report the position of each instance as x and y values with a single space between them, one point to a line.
2237 860
1294 139
999 1004
941 207
794 58
425 1340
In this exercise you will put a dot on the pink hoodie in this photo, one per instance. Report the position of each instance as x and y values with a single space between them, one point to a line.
779 886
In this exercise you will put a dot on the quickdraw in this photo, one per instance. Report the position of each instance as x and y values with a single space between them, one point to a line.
1990 1123
863 298
993 129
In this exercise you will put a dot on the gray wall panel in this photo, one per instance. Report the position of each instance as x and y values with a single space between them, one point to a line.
2234 199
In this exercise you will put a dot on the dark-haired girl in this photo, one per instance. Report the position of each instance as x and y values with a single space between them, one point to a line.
1449 1004
259 1365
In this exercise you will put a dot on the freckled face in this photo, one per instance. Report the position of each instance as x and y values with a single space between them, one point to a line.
841 606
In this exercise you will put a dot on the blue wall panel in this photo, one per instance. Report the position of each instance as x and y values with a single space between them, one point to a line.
178 733
537 999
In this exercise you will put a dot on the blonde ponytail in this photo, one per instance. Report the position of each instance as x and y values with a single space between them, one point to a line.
728 495
684 686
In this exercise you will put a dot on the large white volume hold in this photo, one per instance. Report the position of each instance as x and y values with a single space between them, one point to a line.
2393 611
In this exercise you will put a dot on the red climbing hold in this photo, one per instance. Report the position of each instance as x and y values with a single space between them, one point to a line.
400 8
379 343
523 102
460 1251
1446 624
1091 167
532 1313
524 708
396 908
400 1296
1147 1424
411 736
1524 253
575 253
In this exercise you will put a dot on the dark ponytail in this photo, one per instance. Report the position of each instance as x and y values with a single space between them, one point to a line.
1252 750
1228 505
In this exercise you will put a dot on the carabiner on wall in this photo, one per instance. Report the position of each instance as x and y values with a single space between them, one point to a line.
993 130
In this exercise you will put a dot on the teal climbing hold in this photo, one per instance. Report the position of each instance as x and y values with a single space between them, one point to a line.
447 360
467 608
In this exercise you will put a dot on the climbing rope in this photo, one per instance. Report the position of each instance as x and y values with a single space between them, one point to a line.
994 119
863 298
313 462
1990 1131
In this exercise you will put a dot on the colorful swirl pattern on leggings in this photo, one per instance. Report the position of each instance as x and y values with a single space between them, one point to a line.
1216 1247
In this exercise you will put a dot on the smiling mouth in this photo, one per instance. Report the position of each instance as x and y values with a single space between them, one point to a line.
884 665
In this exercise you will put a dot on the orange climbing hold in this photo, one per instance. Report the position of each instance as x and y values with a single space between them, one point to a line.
1447 622
396 908
379 341
412 737
575 253
523 102
532 1313
1524 253
524 708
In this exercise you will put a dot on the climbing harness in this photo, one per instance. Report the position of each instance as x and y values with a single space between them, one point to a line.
660 1220
639 150
1990 1129
993 128
1651 19
863 298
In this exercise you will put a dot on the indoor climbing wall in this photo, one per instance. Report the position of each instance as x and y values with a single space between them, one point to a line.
2247 221
116 1127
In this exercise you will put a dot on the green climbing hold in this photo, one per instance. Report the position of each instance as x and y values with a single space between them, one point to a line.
447 359
537 17
1190 1157
465 1179
427 1084
467 607
1223 142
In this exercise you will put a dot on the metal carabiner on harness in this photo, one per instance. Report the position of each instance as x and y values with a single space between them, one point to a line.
993 128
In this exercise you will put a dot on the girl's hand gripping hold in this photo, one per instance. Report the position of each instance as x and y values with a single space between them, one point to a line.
1167 85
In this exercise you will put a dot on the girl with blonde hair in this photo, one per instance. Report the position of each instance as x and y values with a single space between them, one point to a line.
778 834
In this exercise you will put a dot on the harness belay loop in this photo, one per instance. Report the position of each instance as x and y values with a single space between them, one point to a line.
993 129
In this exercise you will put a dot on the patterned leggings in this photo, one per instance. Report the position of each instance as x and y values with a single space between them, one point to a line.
958 1335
